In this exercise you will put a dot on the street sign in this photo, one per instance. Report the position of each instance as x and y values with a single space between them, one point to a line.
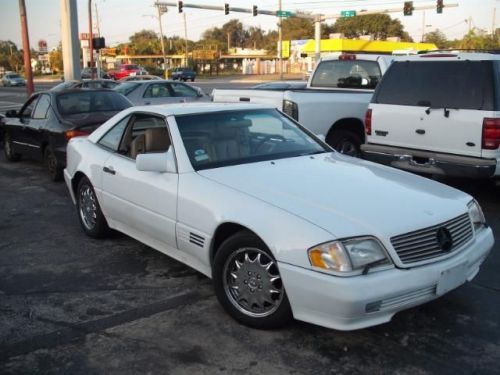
347 13
284 13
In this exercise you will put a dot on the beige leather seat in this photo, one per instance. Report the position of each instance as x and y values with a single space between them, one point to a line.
156 140
138 146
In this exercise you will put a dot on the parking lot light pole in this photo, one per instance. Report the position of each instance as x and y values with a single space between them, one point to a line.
26 48
91 50
162 9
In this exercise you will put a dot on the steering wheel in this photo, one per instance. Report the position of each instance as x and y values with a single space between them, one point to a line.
267 138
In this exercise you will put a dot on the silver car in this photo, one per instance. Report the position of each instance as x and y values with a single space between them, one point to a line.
160 92
12 79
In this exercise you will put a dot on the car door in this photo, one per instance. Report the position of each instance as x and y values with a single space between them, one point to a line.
142 204
186 92
159 93
17 128
33 131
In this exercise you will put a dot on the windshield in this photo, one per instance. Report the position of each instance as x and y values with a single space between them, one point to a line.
358 74
220 139
126 87
90 101
132 67
13 76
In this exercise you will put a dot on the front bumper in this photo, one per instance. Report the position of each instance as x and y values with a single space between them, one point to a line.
429 162
348 303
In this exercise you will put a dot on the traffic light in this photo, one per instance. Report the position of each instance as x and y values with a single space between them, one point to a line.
439 6
226 8
408 8
180 4
255 11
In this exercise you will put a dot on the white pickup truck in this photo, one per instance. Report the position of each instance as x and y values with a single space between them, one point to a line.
333 103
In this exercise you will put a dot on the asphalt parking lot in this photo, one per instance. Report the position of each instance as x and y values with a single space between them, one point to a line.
70 304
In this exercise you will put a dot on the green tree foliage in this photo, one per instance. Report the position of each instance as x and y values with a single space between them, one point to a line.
381 26
438 38
294 28
10 57
476 40
144 42
56 59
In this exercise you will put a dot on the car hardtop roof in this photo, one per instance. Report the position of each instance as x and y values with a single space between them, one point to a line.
75 90
177 109
449 56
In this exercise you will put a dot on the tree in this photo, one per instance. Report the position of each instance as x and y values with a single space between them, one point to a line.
294 28
381 26
10 57
478 40
144 42
438 38
56 59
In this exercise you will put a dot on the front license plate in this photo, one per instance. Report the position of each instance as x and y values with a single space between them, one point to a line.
451 279
133 73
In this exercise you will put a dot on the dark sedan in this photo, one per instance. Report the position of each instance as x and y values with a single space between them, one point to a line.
42 127
183 74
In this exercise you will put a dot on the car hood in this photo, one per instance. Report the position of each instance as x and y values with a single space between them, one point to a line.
346 196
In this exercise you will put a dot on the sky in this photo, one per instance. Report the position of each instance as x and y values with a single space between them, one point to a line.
119 19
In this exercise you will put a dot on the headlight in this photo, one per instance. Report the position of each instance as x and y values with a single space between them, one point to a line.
476 215
348 255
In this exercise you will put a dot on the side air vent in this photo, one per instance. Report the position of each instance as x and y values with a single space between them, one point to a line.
196 239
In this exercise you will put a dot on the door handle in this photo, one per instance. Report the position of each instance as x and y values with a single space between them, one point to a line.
109 170
420 131
147 103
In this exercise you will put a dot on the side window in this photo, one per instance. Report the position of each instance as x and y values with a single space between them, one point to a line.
181 90
157 90
42 107
27 110
113 137
145 134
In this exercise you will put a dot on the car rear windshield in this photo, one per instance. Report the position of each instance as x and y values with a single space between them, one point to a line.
358 74
132 67
90 101
226 138
438 84
126 88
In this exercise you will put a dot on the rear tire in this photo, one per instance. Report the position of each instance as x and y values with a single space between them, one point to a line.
53 167
346 142
10 155
248 284
89 211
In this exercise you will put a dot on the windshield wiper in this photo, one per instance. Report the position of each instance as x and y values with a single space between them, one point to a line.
312 153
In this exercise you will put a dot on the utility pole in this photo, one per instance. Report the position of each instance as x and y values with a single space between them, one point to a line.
317 38
228 41
280 42
493 19
186 38
26 48
98 63
69 39
162 9
91 49
423 26
469 22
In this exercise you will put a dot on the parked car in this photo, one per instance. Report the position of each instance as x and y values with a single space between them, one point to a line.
160 92
86 84
45 123
183 74
438 114
281 222
12 79
143 77
126 70
334 102
91 73
281 85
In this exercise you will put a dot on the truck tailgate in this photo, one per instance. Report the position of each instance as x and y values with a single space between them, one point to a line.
248 96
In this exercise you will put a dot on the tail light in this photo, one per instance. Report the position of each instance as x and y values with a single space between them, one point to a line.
74 133
368 122
491 133
291 109
347 56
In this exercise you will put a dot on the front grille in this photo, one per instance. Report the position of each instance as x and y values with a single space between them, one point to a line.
402 300
423 244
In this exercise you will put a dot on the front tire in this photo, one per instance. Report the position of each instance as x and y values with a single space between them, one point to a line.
248 284
346 142
89 211
8 149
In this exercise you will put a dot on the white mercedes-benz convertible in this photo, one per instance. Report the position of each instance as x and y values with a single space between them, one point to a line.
284 226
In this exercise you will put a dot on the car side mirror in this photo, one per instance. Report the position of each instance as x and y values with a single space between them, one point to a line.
199 92
162 162
12 113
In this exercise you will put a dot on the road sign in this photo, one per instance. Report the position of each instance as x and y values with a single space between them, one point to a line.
347 13
284 13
